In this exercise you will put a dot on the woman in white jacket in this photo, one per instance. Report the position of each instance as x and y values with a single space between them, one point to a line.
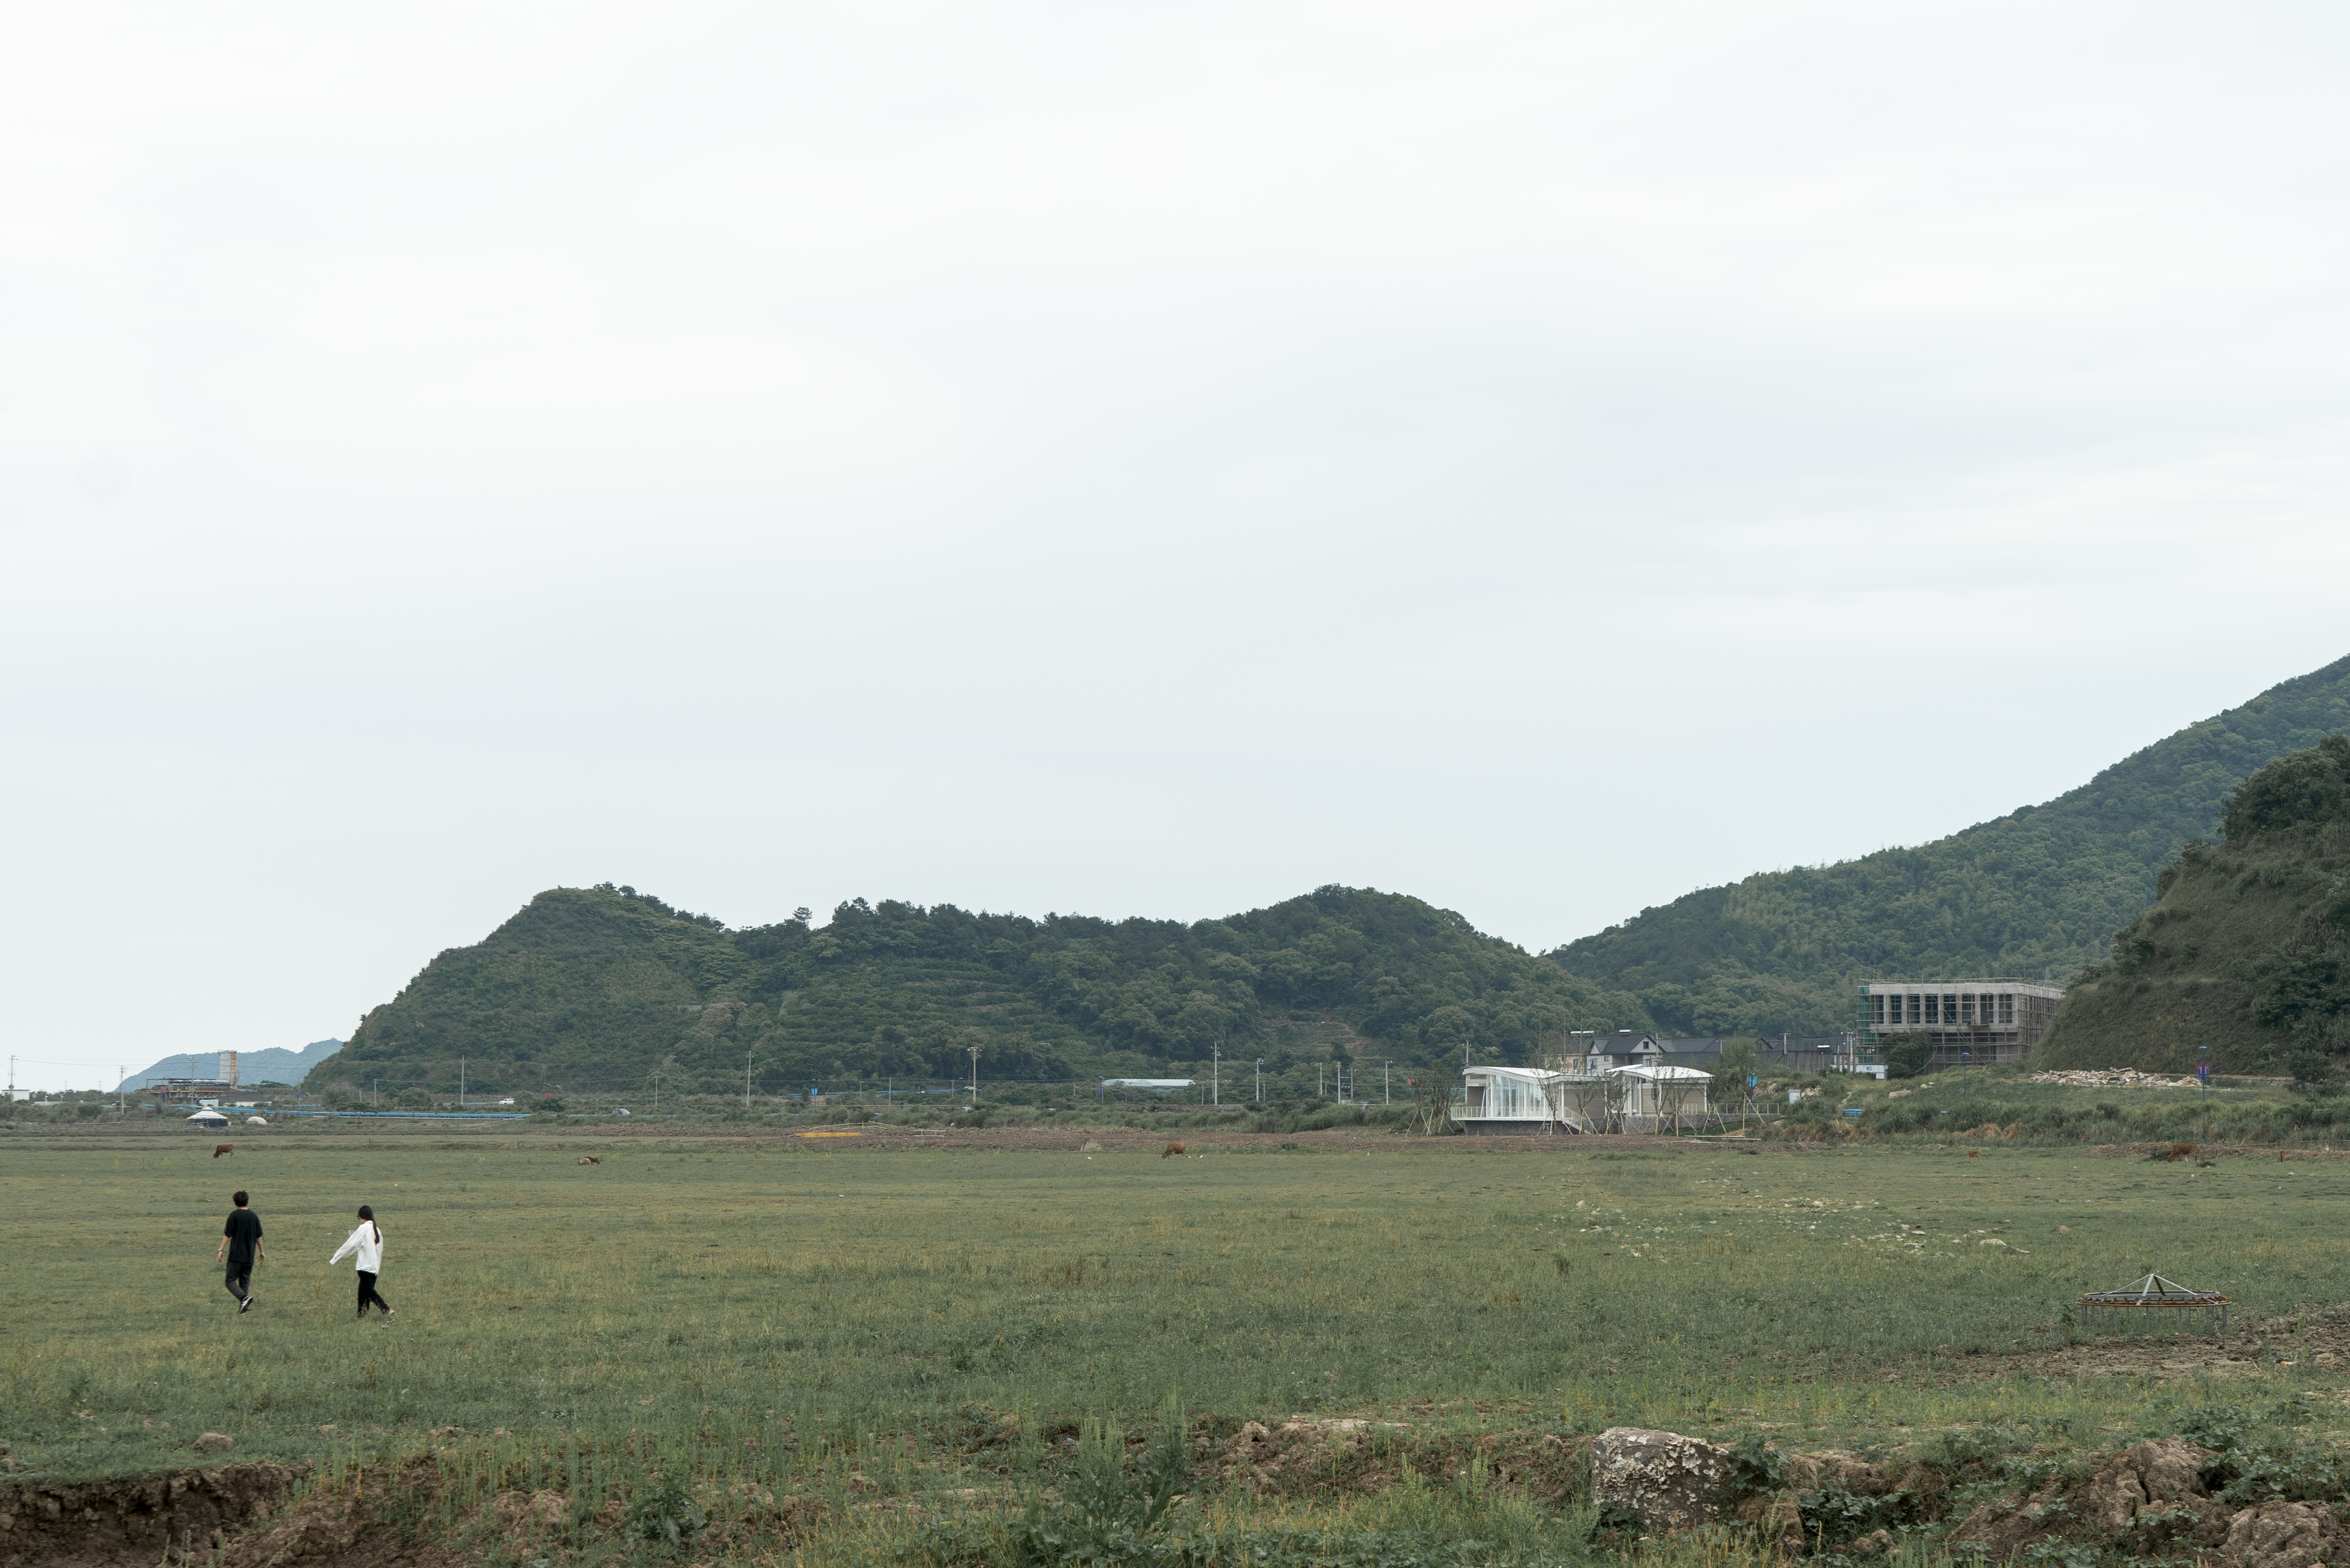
367 1242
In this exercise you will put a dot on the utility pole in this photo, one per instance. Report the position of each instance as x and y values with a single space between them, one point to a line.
120 1075
746 1081
1319 1069
2203 1070
1387 1080
1260 1080
974 1075
1215 1071
461 1083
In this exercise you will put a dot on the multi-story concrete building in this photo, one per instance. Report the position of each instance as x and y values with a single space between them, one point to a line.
1964 1020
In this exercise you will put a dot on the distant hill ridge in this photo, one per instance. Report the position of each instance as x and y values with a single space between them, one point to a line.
601 986
2038 891
271 1065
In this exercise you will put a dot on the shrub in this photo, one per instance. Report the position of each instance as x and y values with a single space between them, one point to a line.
666 1515
1908 1057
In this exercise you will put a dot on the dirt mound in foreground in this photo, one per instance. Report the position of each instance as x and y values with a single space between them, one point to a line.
273 1516
1306 1457
89 1523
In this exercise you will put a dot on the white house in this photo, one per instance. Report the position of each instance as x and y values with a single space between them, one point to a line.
1661 1094
1644 1097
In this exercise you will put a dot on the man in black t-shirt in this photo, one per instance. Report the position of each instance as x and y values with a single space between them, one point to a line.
240 1246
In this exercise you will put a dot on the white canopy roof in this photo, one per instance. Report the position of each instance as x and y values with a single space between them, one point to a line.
1655 1070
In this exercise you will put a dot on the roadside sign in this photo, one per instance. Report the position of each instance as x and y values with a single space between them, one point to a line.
2203 1070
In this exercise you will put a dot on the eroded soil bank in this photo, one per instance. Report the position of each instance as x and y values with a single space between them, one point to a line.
2218 1497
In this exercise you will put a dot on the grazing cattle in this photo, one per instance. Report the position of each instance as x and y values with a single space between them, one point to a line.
1974 1154
589 1159
1171 1150
221 1148
2179 1151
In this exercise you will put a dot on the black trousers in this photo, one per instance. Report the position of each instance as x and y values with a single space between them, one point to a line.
368 1296
240 1278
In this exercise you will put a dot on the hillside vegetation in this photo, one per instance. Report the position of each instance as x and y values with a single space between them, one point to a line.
600 987
2038 891
2247 948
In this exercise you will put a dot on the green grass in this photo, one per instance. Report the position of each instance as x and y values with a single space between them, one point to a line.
1942 1108
785 1311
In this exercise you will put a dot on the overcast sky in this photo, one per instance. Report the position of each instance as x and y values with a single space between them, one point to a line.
1111 459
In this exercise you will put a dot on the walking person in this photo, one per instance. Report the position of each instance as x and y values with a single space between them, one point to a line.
367 1242
241 1247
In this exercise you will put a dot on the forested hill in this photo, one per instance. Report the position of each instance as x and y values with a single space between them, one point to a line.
598 987
2248 950
2040 890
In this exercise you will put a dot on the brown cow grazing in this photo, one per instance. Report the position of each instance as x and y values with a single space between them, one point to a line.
1974 1154
2179 1151
221 1148
589 1159
1171 1150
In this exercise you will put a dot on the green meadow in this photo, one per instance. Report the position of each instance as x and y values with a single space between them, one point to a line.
793 1311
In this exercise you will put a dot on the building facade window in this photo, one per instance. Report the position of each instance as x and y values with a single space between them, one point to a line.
1877 1012
1933 1008
1949 1008
2006 1007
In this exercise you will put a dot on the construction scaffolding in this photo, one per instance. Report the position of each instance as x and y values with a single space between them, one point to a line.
2125 1310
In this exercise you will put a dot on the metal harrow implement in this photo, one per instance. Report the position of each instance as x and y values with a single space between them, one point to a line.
2121 1309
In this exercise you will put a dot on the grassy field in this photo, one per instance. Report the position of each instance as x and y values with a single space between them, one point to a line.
2234 1111
796 1312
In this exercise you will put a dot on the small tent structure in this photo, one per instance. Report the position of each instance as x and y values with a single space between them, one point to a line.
1660 1095
208 1119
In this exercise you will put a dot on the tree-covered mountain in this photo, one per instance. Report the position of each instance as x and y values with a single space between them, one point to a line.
2038 891
2247 949
601 986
